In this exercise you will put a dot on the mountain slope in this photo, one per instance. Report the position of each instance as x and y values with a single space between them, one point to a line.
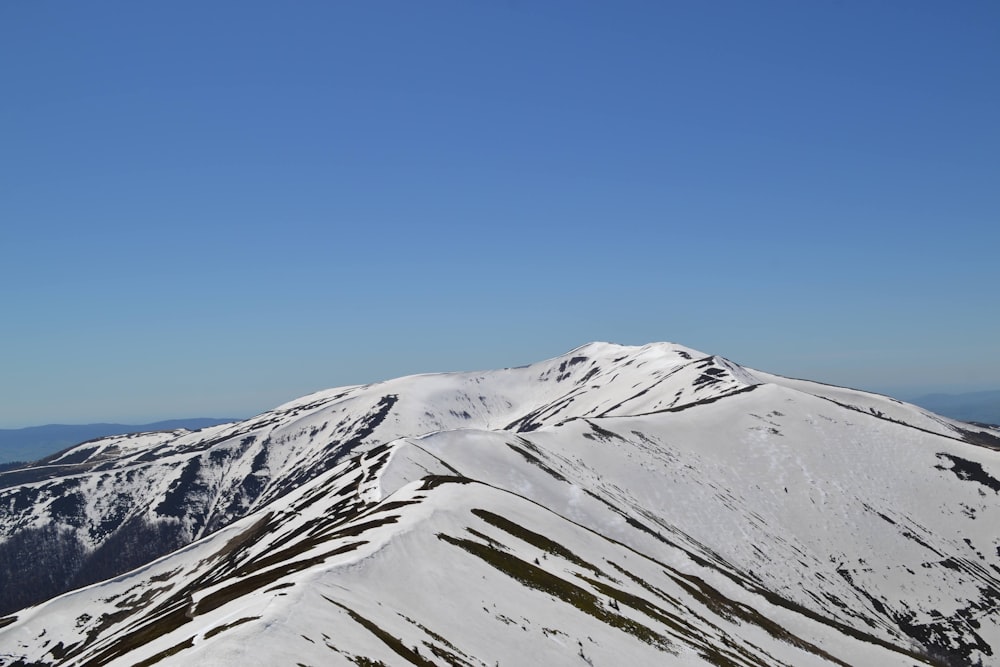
649 504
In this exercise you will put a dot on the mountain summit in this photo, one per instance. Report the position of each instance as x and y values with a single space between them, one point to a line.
616 505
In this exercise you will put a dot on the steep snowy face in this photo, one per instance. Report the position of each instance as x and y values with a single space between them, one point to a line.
649 504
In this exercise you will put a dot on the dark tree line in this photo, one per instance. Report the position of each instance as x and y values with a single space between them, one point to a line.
36 564
39 563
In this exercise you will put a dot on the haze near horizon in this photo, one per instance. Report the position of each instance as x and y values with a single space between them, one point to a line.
210 210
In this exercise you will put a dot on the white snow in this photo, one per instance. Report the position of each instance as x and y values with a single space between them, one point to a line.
615 505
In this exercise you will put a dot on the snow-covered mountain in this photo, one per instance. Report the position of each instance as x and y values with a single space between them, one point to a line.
617 505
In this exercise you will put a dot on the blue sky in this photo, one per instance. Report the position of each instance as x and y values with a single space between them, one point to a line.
210 208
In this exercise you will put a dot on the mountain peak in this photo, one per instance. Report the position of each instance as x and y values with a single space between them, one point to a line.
641 504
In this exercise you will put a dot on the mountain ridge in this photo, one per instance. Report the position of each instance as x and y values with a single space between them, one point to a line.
652 504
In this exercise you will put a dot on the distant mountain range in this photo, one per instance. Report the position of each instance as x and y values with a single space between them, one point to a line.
979 406
613 506
36 442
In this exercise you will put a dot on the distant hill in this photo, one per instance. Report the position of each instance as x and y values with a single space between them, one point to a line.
979 406
36 442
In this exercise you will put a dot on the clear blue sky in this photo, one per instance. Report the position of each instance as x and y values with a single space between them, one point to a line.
209 208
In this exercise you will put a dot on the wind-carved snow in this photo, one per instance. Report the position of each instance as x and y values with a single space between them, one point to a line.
652 505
